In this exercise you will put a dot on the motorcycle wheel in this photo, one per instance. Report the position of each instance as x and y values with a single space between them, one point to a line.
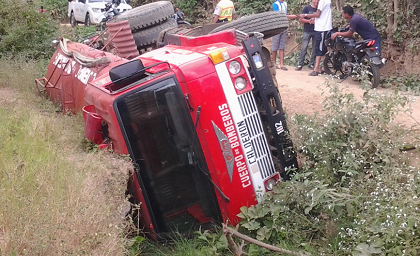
333 65
373 69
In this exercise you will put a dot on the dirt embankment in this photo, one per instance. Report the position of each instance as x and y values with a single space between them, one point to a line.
302 94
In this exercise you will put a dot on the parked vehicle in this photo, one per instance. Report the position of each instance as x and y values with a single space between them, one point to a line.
200 117
346 56
92 11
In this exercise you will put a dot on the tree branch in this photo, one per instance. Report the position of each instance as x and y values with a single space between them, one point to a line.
228 232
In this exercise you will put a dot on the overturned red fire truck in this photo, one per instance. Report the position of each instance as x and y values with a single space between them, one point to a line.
201 119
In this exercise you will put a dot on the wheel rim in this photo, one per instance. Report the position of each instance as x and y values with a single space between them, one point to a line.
334 65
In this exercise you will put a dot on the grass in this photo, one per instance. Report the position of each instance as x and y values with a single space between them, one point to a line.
57 198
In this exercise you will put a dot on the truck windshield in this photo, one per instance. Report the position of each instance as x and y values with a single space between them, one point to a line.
159 135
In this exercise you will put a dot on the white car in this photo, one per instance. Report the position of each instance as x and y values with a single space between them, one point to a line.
91 11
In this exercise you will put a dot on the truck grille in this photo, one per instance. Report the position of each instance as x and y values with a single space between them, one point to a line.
256 132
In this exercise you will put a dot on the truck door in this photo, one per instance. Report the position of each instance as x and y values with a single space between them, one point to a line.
79 12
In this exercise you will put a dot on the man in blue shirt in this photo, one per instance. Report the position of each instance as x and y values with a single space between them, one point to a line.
361 25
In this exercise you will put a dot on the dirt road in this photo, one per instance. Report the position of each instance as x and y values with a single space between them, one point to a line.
301 94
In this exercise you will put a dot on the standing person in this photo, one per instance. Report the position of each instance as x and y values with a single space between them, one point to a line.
361 25
179 15
115 4
42 10
308 35
278 43
323 24
224 11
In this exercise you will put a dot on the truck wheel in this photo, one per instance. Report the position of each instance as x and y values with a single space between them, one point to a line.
146 15
161 39
193 32
73 21
147 37
87 20
268 23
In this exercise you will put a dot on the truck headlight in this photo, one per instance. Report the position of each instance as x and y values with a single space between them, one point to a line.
234 67
96 9
269 185
240 83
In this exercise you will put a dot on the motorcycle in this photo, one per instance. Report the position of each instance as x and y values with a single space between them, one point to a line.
97 39
346 56
109 13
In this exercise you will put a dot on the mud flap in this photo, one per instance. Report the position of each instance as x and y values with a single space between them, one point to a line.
268 93
374 57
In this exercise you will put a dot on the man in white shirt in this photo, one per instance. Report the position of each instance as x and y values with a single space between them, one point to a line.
323 24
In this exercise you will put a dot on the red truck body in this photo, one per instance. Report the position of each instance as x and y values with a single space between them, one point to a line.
188 117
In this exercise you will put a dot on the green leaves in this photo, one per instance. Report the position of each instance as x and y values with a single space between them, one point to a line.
251 225
26 32
355 192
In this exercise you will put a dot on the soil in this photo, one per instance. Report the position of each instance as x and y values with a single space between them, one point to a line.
302 94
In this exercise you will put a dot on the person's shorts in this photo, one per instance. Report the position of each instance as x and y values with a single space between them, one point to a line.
320 47
278 42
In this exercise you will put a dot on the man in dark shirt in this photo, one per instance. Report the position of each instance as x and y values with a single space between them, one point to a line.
308 34
361 25
179 15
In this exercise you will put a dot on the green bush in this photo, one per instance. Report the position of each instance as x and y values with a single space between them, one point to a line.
56 8
409 83
356 192
26 32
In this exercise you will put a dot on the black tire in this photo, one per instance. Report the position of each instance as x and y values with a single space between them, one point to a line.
373 69
333 65
87 20
73 22
268 23
193 32
147 37
169 31
146 15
